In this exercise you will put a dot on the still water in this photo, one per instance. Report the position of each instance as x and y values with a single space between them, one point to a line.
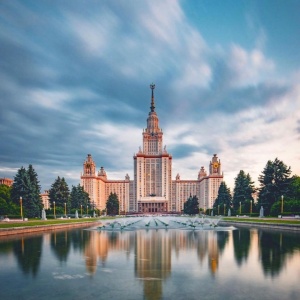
151 264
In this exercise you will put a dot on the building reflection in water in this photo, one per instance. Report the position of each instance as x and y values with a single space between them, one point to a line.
153 251
102 243
152 260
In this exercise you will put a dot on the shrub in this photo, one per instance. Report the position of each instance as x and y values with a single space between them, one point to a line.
290 207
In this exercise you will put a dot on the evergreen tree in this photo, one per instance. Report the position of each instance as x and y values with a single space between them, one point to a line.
26 185
79 197
20 186
191 206
36 200
243 190
59 192
274 181
224 199
112 204
294 188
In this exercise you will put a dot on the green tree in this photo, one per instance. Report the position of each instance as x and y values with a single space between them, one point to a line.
20 186
191 206
36 200
6 205
224 199
26 185
290 207
79 197
274 181
243 190
112 204
60 193
294 188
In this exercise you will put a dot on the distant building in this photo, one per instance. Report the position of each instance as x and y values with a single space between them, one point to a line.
6 181
45 199
152 189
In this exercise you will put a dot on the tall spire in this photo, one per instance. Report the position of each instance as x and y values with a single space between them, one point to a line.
152 87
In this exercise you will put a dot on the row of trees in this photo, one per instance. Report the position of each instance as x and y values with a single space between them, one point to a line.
60 194
25 192
275 183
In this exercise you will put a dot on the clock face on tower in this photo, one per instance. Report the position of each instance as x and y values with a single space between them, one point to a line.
215 165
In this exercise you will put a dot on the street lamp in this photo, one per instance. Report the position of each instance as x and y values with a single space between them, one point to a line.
65 209
281 204
251 207
224 209
219 209
54 209
21 207
87 210
81 209
240 207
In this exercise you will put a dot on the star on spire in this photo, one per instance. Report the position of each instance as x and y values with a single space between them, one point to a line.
152 107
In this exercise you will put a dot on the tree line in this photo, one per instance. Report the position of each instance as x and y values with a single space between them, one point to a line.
24 196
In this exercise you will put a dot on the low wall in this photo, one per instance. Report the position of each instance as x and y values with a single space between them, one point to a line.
294 227
40 228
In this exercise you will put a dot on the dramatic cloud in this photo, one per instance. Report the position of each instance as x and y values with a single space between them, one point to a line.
74 79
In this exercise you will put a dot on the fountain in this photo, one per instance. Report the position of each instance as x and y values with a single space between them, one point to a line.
165 222
76 214
121 224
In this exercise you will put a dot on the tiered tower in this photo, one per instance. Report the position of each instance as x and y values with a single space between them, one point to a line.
153 168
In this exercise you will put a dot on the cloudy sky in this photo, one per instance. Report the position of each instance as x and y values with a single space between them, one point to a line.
75 75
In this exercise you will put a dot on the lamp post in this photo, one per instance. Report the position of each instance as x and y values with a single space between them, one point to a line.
81 209
87 210
219 209
240 207
21 207
65 209
251 207
281 204
224 209
54 209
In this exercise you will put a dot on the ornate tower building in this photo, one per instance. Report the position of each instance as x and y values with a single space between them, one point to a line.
152 190
209 184
153 168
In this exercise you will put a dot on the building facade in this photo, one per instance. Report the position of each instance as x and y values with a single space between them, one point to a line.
45 199
6 181
152 189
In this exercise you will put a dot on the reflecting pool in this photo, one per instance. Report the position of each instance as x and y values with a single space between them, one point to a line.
152 263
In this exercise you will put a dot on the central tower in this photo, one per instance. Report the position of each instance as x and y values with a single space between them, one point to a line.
153 168
152 135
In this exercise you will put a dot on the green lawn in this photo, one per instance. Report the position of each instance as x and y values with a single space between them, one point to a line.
12 224
263 220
